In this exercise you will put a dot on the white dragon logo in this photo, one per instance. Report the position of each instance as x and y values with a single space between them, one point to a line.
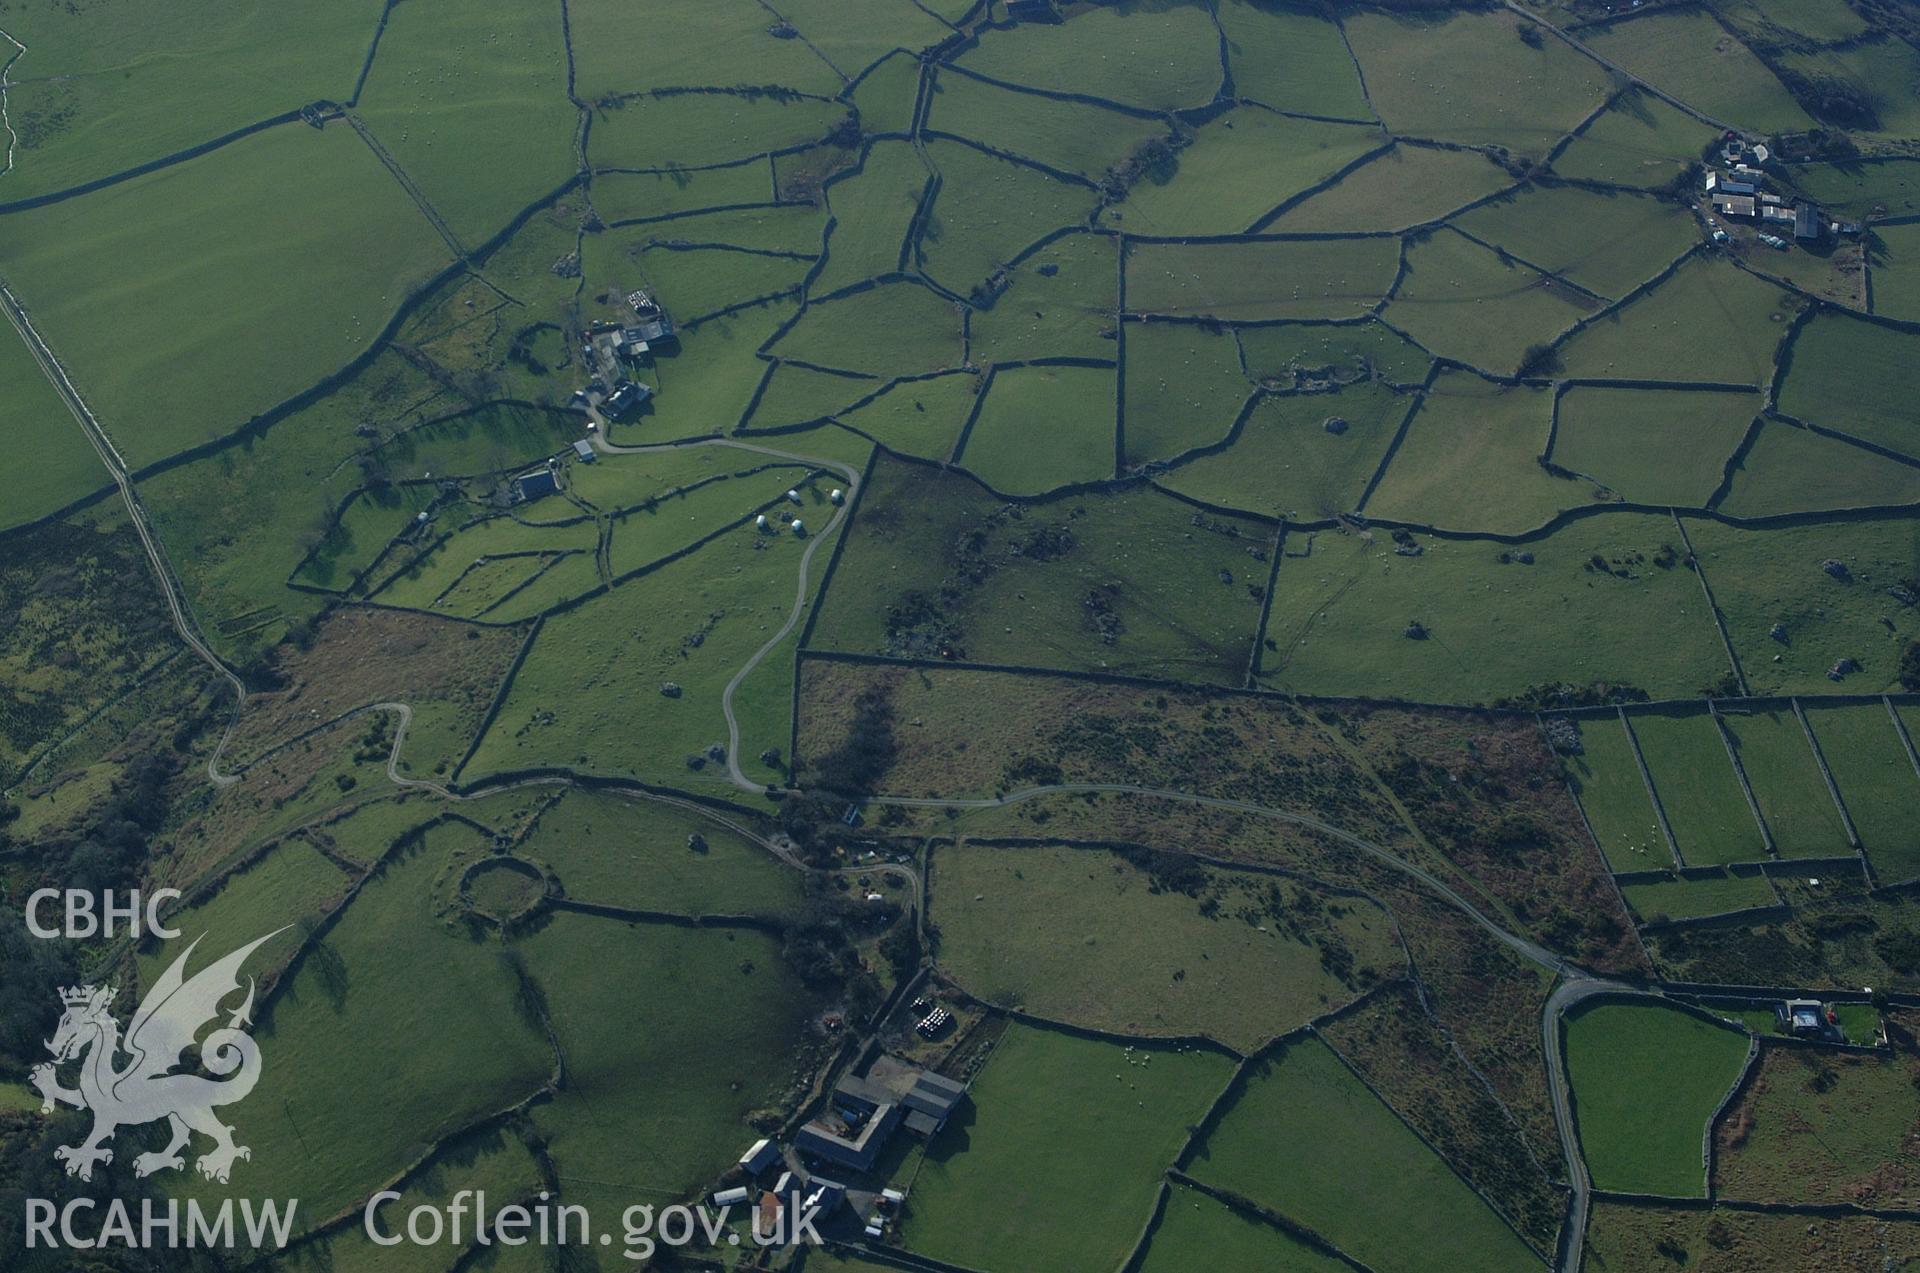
143 1091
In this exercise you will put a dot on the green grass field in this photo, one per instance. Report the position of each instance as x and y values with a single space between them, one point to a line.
1471 461
1693 896
34 420
1074 137
471 100
918 417
234 227
707 1031
988 211
1260 280
1059 303
1854 377
1698 788
1707 322
1640 141
1051 1105
1306 1138
1764 579
1896 273
1407 186
1792 470
100 91
1308 355
1341 609
1606 778
1646 1077
872 210
1196 1230
853 34
1879 72
1877 783
359 996
293 884
635 854
1856 189
1122 581
691 624
1068 411
1287 462
1183 387
1468 77
1606 243
1652 447
1085 937
1688 54
1785 777
1209 191
687 44
896 329
1147 53
1462 301
1291 60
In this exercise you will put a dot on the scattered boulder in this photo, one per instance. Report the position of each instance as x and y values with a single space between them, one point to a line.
1779 633
1335 425
1524 558
669 690
695 761
1226 576
1564 736
696 843
1408 550
1838 569
1904 595
716 753
1415 631
1840 670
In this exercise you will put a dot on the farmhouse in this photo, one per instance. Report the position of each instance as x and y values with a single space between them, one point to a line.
1805 1017
625 398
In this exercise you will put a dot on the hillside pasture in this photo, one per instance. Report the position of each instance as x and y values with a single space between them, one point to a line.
1795 470
1688 762
1607 243
471 100
1646 1077
1040 428
1468 77
1292 60
1087 937
1262 279
1819 1126
1183 389
1785 776
1342 604
1050 1104
1707 322
34 420
1287 462
687 44
1877 782
1148 54
1606 778
1463 301
1686 53
1639 141
1471 461
1696 896
1652 447
1123 581
1764 578
1059 302
988 211
101 90
918 417
1209 186
1856 378
1405 187
234 226
1198 1230
1073 137
1306 1138
1311 355
704 129
896 329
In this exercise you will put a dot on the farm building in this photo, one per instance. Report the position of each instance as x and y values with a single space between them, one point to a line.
584 449
1734 205
532 486
852 1133
762 1154
931 1102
